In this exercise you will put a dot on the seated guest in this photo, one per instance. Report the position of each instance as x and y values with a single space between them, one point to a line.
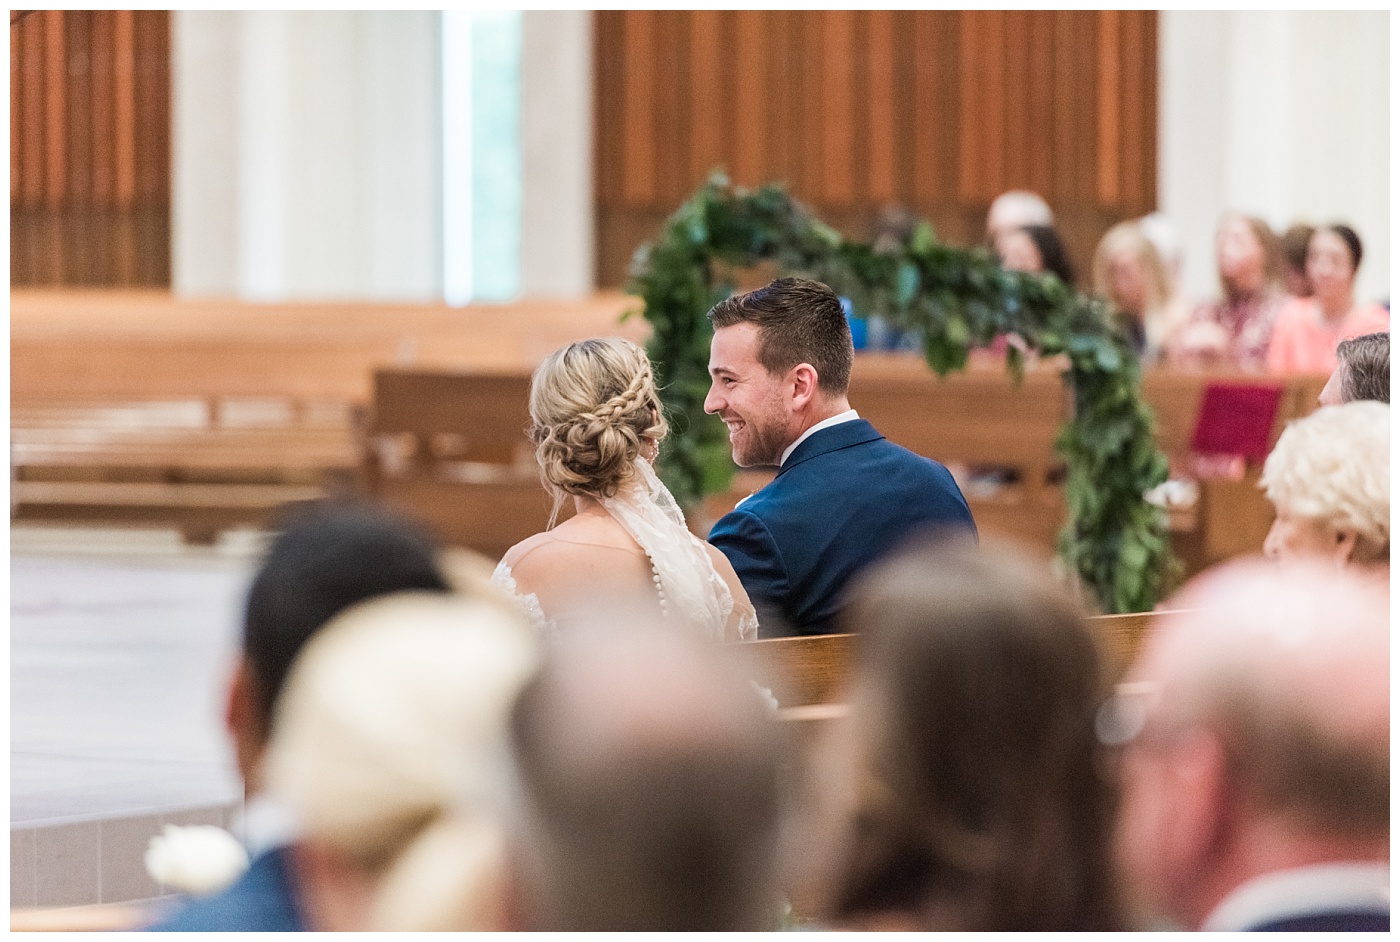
1235 330
1294 245
1256 772
390 748
323 562
965 792
1035 249
648 775
1329 481
1363 371
1308 329
1129 274
1015 209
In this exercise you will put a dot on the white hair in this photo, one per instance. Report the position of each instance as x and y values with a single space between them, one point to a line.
1334 467
1016 208
389 745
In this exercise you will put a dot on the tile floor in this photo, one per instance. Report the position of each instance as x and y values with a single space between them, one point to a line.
119 654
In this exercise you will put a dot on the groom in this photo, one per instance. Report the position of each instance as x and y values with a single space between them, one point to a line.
780 363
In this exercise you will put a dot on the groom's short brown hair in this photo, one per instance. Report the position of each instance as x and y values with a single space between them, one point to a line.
799 321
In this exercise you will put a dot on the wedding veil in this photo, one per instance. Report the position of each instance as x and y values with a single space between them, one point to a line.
692 591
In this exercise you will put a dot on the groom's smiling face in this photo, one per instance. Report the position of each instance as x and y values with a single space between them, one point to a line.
752 401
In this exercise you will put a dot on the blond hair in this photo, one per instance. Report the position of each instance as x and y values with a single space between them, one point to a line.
389 745
593 405
1334 467
1128 237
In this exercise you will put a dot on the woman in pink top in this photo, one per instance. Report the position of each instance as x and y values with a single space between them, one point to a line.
1309 329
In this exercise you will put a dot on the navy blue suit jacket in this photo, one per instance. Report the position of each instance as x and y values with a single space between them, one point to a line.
261 900
845 497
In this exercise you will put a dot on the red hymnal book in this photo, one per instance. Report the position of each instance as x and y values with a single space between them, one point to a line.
1237 420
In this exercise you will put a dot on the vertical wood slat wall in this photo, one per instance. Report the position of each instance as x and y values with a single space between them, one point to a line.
90 148
938 111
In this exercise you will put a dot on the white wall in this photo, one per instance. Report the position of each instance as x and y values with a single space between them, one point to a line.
556 145
306 155
1285 115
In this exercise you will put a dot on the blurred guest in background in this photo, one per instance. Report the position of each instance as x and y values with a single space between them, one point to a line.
965 792
1235 330
1294 245
1329 481
1363 371
1256 789
390 749
649 784
1308 329
1129 274
325 561
1035 249
1014 209
1163 234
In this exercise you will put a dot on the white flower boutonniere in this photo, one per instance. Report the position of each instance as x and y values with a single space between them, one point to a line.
198 859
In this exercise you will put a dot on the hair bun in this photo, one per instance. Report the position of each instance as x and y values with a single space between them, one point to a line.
593 404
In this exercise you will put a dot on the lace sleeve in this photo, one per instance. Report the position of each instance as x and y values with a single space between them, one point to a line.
529 603
743 623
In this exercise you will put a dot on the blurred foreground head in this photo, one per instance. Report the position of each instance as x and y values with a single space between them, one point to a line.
327 558
1329 481
648 779
1257 724
390 747
965 793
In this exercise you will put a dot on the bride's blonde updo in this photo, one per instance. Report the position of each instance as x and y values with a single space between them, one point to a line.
593 408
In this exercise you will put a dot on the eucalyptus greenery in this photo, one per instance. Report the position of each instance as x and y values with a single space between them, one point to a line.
957 300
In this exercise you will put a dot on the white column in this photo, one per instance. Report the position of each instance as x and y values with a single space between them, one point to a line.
556 129
307 155
1285 115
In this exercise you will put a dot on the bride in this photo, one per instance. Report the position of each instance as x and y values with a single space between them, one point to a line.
596 422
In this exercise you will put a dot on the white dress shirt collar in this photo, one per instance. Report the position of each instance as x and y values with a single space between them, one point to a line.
848 416
1301 891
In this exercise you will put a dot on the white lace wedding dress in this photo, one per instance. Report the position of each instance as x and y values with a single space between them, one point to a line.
691 592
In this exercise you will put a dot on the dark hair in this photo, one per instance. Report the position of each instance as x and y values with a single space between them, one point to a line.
799 321
984 805
652 831
1054 257
1294 245
1366 372
326 559
1348 235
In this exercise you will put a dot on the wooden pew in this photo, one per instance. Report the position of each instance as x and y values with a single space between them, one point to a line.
140 407
103 917
450 450
805 673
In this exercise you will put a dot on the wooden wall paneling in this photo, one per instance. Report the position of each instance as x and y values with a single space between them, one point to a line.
1109 102
748 158
882 124
982 103
78 115
16 115
835 64
639 108
104 109
55 88
856 110
1040 101
710 95
31 94
786 146
608 92
673 99
1016 143
1132 83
